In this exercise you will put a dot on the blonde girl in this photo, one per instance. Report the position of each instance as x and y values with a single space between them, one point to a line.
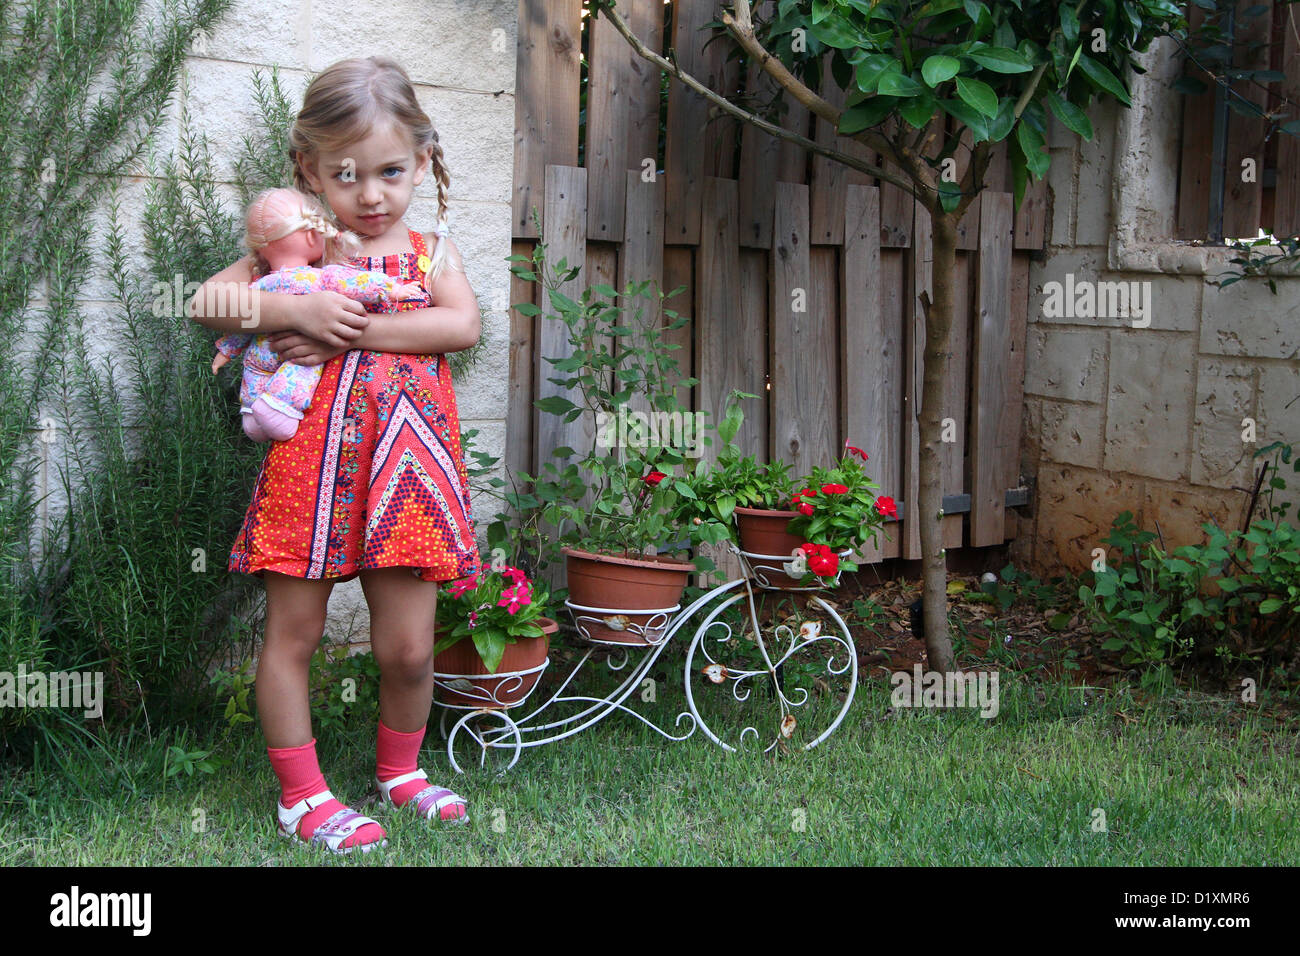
373 483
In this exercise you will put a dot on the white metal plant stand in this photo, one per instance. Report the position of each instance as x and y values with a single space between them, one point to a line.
706 658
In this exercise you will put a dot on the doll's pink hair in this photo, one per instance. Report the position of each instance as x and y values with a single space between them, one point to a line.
276 213
348 100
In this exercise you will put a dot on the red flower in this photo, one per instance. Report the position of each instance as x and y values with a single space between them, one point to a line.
654 477
808 493
833 489
815 549
885 505
824 563
805 508
857 451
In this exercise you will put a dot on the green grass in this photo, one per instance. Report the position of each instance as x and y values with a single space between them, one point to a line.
1183 781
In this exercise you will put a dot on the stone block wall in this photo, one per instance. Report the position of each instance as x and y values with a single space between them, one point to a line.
1144 413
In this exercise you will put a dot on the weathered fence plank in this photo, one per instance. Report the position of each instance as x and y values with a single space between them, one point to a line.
989 389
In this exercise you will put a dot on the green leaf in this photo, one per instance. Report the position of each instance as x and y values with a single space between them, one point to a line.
1069 114
1271 605
900 84
969 117
978 94
871 69
866 115
949 195
1103 79
939 69
1001 124
1031 146
1000 60
919 110
555 404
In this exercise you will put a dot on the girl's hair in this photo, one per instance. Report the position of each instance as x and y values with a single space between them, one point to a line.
276 213
350 99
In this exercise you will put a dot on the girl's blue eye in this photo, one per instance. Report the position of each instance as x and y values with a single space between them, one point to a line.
398 169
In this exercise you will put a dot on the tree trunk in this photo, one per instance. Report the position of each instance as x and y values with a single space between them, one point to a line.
937 357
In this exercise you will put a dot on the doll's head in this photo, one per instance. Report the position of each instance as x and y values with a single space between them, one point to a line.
366 103
286 228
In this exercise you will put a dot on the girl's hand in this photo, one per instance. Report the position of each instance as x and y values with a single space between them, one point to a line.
331 319
302 349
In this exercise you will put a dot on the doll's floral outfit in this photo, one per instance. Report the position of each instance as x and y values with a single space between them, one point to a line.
287 387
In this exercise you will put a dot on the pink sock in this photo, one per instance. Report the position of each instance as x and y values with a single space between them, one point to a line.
300 777
398 753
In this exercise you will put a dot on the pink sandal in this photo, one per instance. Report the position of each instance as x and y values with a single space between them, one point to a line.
332 833
429 801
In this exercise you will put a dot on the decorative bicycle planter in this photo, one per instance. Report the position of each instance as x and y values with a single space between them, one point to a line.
711 659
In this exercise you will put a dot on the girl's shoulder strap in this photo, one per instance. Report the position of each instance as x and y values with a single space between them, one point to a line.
417 243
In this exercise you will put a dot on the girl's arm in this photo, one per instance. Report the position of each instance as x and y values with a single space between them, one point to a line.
227 303
451 326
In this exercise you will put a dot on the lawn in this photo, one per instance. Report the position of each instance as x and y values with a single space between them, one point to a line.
1182 779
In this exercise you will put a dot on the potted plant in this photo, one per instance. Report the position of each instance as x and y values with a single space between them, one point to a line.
611 509
793 534
501 612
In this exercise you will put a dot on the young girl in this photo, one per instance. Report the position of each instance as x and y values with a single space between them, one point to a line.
373 482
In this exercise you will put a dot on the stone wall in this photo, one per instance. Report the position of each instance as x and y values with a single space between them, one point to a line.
1144 413
460 54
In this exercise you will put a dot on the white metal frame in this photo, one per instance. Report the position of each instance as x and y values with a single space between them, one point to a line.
516 734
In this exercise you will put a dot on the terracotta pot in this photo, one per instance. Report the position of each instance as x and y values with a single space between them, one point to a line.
624 585
491 691
762 531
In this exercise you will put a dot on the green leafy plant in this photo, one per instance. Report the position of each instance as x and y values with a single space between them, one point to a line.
495 608
1152 603
343 685
618 496
838 512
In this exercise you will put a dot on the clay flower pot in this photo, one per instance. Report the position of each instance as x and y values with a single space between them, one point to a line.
462 680
620 587
762 532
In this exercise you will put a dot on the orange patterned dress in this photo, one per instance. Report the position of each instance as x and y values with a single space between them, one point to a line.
374 476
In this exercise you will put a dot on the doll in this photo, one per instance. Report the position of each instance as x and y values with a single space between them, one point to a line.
286 231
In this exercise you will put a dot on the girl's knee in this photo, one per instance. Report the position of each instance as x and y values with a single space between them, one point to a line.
408 658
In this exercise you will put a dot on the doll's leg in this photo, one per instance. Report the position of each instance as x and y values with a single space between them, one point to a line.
287 395
260 364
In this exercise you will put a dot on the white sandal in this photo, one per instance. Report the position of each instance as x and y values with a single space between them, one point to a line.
428 801
333 832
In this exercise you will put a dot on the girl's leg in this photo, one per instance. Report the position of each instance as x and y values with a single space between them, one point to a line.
401 634
295 621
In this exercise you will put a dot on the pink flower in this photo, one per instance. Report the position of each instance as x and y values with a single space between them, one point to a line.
464 584
514 574
473 618
514 598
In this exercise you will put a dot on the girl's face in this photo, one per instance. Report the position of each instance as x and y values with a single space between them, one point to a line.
369 183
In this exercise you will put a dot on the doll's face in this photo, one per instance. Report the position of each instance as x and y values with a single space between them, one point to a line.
369 183
301 247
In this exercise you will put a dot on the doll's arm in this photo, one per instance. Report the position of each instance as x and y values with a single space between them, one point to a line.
228 346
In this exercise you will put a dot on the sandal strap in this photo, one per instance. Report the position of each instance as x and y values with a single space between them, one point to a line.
431 800
386 786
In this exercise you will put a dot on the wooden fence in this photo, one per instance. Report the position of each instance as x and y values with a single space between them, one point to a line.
1233 177
803 278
